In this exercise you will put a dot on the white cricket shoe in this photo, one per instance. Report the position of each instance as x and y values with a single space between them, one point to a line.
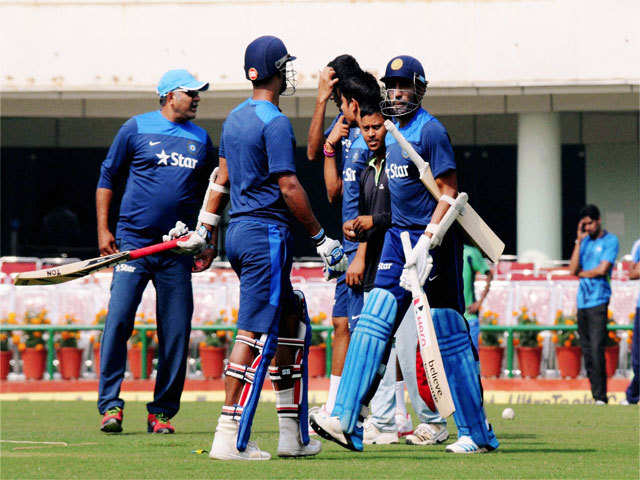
465 445
224 443
290 444
404 424
315 410
373 436
428 434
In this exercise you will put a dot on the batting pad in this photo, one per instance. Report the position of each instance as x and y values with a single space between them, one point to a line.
249 408
366 349
464 378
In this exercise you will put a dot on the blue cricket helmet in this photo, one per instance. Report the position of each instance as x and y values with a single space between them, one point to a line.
404 66
264 57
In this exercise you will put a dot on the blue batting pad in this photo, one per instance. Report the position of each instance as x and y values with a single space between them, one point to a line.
463 375
249 410
364 356
304 402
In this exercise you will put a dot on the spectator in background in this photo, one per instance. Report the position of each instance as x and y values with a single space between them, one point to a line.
472 263
592 259
633 390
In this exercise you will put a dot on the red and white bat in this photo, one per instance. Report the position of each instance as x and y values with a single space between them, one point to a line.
427 341
71 271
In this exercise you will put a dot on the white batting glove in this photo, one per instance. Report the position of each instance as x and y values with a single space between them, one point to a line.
421 260
178 231
331 253
195 243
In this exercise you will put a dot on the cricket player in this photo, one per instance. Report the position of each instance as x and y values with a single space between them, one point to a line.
165 160
257 151
349 86
472 263
415 210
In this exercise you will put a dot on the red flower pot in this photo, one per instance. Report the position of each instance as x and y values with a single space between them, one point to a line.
529 361
569 361
317 361
96 359
135 361
70 359
611 355
212 360
490 361
34 363
5 365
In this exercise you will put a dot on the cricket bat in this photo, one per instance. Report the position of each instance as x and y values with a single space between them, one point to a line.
469 219
71 271
427 341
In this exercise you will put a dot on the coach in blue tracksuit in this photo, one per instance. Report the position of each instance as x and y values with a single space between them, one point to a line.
592 259
165 160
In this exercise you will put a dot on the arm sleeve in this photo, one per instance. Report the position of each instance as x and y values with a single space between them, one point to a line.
118 156
221 147
280 145
610 252
439 151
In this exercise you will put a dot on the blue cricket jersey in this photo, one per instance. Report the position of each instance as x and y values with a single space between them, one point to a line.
166 165
635 257
411 203
596 291
258 142
355 154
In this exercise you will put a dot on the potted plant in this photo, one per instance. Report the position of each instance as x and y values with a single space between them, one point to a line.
528 345
490 350
69 355
213 348
318 349
134 355
95 340
611 348
5 345
568 351
34 355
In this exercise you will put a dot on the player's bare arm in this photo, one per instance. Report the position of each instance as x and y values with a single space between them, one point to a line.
574 262
355 272
600 271
326 81
106 240
296 199
332 178
448 185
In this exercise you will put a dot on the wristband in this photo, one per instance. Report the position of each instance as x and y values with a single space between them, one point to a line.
319 237
327 153
208 218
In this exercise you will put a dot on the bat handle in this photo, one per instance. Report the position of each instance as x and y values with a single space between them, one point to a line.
151 249
406 244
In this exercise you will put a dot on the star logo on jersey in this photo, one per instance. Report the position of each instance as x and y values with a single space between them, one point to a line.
163 157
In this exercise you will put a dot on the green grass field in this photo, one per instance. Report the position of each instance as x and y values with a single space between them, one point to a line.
542 442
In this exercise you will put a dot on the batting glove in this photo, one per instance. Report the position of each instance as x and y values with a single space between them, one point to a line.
421 260
331 253
178 231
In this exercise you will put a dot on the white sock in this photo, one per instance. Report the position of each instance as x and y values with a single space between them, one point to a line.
334 382
401 408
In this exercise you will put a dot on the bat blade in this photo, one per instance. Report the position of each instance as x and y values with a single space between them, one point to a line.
428 342
70 271
469 220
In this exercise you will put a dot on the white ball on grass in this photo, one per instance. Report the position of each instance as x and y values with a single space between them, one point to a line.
508 414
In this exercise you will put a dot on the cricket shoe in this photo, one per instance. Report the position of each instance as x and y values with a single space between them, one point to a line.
290 442
428 434
404 424
159 423
316 409
112 420
465 444
329 428
373 436
224 443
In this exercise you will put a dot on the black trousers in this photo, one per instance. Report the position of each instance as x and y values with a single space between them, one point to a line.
592 330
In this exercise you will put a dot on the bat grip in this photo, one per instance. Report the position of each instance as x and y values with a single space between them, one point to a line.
406 244
157 248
